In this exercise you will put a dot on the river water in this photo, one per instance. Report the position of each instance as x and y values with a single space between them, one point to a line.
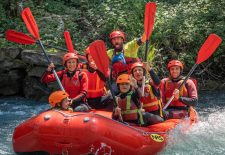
206 137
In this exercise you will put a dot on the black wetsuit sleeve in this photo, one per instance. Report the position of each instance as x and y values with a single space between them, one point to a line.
189 101
101 75
156 92
154 77
136 98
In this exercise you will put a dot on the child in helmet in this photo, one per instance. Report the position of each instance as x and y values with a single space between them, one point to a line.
128 103
73 80
59 100
150 98
184 98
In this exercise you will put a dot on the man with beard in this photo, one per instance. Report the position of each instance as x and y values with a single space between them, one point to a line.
122 56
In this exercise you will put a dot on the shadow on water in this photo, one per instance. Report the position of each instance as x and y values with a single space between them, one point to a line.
206 137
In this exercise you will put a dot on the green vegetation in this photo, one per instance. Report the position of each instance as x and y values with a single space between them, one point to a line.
180 29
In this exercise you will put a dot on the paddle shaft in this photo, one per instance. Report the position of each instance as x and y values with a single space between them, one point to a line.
185 80
54 72
145 59
146 50
114 98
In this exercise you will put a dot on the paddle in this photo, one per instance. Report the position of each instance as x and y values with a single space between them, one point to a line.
99 55
31 25
207 49
69 43
150 10
21 38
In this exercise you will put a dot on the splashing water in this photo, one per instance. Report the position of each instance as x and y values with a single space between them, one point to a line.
205 137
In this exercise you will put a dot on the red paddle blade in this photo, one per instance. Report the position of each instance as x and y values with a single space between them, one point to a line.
18 37
150 10
30 22
69 43
209 46
98 53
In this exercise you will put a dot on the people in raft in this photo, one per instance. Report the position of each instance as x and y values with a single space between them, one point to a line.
97 96
128 107
122 55
150 98
73 80
59 100
185 98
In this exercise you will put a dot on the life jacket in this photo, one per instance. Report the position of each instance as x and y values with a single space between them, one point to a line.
72 85
129 110
121 64
95 86
169 87
150 101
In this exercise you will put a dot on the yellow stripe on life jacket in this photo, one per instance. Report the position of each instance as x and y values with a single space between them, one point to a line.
157 102
129 111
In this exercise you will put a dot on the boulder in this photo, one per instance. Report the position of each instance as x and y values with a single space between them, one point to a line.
32 88
38 58
12 64
9 53
36 71
11 82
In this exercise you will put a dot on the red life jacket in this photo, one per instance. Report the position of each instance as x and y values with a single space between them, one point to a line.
95 85
129 110
72 85
170 86
150 101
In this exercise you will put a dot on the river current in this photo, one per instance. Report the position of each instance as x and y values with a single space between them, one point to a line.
206 137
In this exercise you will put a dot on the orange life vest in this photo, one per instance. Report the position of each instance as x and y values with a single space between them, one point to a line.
129 110
170 86
150 101
95 85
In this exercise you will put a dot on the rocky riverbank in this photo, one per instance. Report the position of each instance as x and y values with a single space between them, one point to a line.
21 70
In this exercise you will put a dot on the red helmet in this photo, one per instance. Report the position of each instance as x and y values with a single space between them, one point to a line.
68 56
115 34
57 97
137 64
175 63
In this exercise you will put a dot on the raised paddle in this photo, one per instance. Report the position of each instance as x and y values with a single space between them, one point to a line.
149 18
99 55
69 43
32 27
21 38
207 49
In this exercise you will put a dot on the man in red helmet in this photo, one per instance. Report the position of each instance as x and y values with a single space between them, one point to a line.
73 80
123 55
184 98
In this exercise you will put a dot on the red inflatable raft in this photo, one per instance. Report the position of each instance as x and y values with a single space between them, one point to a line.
59 132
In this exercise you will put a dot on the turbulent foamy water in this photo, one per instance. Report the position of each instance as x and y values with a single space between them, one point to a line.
206 137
